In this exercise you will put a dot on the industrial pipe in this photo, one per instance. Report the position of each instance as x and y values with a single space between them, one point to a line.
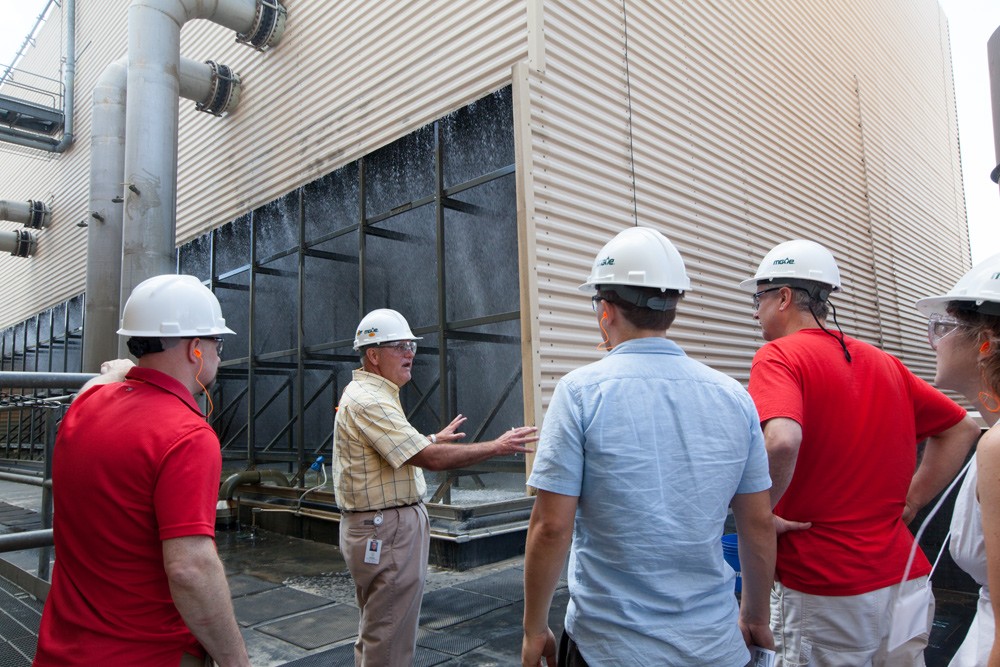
198 82
20 243
250 477
152 118
993 58
34 214
69 78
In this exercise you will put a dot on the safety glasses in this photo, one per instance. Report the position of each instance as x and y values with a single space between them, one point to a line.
939 326
402 346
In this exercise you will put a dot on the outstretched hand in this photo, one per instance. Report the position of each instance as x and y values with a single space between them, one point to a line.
450 432
514 440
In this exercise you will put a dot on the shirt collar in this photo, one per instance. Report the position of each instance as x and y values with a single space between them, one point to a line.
166 383
650 345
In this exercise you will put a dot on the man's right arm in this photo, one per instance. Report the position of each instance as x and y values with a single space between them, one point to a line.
782 439
450 456
550 532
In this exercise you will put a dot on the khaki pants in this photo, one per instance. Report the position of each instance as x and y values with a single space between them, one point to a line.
839 631
388 593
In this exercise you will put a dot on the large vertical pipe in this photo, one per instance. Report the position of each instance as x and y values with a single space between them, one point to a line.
105 224
993 55
69 78
104 228
151 120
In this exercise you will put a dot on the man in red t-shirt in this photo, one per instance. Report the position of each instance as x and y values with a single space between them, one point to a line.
841 422
137 580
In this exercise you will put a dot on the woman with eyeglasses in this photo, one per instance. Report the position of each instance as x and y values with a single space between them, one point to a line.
964 330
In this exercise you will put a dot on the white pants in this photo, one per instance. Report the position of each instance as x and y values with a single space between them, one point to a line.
975 650
840 631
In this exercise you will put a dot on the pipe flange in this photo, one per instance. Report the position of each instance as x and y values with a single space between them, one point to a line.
25 244
38 216
268 25
225 93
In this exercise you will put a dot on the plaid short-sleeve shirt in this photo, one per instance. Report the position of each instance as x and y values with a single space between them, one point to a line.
372 443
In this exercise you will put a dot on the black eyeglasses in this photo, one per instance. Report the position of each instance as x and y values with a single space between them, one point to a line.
757 295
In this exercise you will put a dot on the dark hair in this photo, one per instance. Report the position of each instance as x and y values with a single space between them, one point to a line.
981 326
643 318
139 345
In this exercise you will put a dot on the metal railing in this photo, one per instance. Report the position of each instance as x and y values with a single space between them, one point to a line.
29 418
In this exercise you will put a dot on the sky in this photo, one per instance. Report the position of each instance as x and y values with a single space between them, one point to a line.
971 22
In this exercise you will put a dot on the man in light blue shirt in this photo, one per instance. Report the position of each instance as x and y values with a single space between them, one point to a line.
642 453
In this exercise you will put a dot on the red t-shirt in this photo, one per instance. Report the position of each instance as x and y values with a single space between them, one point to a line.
861 422
134 464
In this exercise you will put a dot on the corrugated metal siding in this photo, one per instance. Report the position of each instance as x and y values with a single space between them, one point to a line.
56 272
753 123
347 77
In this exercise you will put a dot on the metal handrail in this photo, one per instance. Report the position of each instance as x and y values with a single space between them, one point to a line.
32 539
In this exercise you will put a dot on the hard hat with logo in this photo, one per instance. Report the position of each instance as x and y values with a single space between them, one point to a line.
172 306
638 257
797 260
978 290
382 326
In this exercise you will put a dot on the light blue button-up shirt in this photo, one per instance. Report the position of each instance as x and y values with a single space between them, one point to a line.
655 445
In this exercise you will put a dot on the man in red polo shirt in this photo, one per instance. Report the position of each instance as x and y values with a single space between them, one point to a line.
136 469
841 422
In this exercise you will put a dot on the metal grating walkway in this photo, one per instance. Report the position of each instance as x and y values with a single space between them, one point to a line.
19 617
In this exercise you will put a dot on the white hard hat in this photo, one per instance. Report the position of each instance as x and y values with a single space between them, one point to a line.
382 326
639 257
172 306
797 260
979 289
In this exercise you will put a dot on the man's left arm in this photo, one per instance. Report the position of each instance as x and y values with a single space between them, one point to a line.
943 457
550 532
201 594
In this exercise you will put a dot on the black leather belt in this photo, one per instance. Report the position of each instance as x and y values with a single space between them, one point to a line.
382 509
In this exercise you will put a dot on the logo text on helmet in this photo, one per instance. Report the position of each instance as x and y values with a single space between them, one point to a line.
786 260
368 332
995 276
607 261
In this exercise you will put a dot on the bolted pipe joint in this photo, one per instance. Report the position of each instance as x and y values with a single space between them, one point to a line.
224 95
268 26
33 214
39 215
20 243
